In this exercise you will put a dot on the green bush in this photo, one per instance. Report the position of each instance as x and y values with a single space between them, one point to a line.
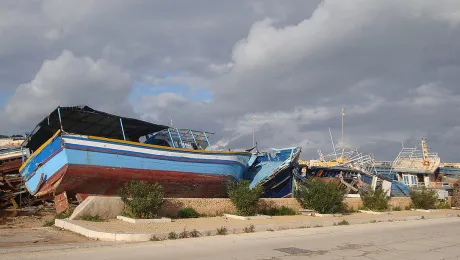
375 199
444 205
424 198
188 213
245 199
142 199
325 198
222 231
283 211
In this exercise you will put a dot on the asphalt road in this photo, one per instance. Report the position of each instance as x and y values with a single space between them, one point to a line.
417 239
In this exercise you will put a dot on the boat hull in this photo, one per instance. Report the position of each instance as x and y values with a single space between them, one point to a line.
98 180
91 165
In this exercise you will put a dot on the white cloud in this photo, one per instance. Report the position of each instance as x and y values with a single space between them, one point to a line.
68 80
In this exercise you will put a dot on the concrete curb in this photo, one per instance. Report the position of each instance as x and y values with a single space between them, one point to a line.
376 212
135 221
93 233
247 218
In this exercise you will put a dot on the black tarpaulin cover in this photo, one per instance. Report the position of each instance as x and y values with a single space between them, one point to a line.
84 120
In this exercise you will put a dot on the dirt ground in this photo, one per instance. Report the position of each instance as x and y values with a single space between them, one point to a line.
17 230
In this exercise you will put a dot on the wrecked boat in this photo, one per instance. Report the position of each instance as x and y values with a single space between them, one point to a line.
10 180
82 151
273 171
349 168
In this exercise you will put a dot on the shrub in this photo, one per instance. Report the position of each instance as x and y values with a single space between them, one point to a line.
249 229
244 198
343 222
424 198
187 213
397 208
283 211
222 231
375 199
325 198
184 234
444 205
142 199
195 233
172 235
155 238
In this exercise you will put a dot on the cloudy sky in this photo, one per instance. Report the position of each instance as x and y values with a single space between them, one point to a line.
210 64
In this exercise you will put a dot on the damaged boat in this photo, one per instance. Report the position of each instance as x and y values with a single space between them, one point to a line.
79 150
274 171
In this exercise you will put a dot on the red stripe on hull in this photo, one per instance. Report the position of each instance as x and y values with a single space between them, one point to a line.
106 181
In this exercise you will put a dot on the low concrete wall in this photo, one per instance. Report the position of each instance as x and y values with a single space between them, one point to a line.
220 206
104 207
110 207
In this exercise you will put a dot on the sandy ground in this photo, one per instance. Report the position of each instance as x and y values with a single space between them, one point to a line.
18 231
217 222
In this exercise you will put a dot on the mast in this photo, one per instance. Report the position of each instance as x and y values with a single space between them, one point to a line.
253 130
343 143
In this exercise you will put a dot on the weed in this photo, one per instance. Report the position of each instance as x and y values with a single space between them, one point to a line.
283 211
91 218
274 230
187 213
304 227
195 233
373 221
397 208
343 222
423 217
443 205
222 231
155 238
208 233
249 229
408 207
49 223
172 235
63 215
318 226
335 224
184 234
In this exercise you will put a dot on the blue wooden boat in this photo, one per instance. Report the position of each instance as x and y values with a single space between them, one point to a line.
273 171
79 150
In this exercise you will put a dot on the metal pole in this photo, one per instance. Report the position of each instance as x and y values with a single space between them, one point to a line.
207 140
253 131
193 136
172 140
60 120
343 143
333 146
180 138
122 129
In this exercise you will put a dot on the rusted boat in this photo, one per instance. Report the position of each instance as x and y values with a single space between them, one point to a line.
79 150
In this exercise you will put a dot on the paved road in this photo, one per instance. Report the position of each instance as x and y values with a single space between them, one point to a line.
418 239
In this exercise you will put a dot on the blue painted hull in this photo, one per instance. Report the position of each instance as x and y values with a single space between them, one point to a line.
81 164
